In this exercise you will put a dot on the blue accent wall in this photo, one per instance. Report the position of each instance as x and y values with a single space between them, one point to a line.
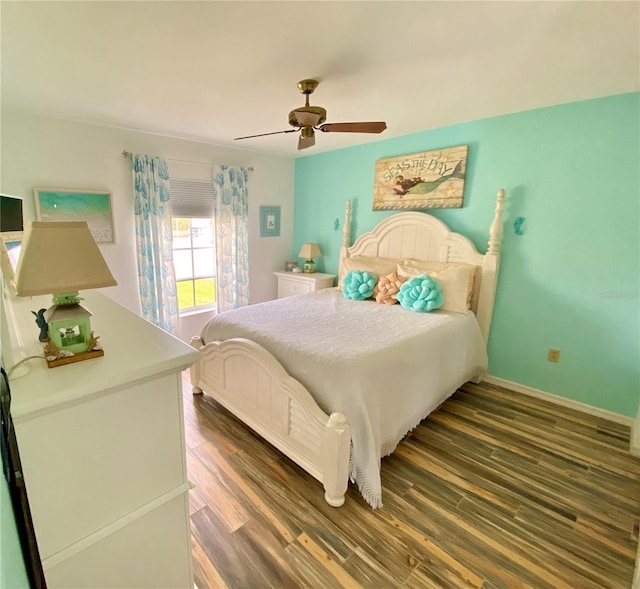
13 572
571 279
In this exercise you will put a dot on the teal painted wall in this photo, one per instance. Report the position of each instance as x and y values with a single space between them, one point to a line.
13 573
571 280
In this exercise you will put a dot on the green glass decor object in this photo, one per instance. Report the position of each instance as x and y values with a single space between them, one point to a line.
69 327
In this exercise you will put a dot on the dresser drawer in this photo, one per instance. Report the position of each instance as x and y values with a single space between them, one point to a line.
88 464
161 558
288 287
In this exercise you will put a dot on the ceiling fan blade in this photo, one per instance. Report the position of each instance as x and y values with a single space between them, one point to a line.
264 134
308 141
377 127
307 119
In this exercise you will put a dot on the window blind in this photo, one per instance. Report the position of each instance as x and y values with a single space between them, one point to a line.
192 198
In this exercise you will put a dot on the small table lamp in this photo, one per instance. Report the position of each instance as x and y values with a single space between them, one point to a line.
61 259
309 251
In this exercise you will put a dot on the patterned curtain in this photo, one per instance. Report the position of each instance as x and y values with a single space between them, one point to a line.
154 242
232 236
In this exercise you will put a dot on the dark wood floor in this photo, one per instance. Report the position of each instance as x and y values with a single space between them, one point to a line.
495 489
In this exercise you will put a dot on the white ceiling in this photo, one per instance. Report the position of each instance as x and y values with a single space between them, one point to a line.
213 71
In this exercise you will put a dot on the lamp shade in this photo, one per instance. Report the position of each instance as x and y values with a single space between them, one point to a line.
60 257
309 251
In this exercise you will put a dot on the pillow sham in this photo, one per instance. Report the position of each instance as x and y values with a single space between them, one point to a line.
387 289
455 278
358 285
421 294
372 264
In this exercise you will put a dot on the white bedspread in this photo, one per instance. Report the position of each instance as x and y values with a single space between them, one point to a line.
383 366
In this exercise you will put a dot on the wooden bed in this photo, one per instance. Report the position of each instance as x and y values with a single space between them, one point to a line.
250 382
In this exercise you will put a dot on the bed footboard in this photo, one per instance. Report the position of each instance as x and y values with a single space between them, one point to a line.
246 379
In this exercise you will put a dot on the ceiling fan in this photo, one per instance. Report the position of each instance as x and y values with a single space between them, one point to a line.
309 119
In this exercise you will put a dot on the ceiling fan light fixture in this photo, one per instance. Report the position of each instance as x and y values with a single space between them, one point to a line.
307 138
307 116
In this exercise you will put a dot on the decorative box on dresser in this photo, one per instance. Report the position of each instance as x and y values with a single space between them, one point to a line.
295 283
102 448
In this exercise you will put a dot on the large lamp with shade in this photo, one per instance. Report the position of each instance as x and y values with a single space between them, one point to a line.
61 259
309 251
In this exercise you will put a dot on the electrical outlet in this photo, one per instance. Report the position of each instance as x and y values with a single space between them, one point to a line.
554 355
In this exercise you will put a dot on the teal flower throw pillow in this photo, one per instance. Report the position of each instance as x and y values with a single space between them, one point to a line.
358 285
421 293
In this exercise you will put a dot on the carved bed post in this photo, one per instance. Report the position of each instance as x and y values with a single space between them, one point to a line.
346 236
336 449
496 229
346 228
194 369
490 268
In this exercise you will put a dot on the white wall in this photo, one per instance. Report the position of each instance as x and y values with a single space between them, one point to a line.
58 153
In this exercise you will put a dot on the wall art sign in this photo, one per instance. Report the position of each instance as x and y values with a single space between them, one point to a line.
424 180
92 206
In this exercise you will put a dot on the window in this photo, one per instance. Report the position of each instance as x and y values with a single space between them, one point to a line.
192 210
194 260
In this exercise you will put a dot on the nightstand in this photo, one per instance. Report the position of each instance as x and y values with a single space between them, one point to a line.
293 283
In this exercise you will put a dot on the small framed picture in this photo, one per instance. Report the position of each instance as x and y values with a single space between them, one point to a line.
269 221
289 266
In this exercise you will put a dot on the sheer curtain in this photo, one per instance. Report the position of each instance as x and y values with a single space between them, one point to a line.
154 241
232 236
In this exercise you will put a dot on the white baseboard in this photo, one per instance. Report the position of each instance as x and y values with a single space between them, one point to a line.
570 403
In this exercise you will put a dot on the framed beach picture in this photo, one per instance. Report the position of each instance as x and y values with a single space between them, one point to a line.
92 206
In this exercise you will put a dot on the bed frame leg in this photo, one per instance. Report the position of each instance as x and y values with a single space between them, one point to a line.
194 370
336 449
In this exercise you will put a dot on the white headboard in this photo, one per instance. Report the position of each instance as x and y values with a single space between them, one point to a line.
423 237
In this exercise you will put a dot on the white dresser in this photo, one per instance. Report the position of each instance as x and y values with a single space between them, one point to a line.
102 448
292 283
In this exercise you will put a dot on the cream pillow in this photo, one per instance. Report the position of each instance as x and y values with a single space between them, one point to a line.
372 264
456 279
